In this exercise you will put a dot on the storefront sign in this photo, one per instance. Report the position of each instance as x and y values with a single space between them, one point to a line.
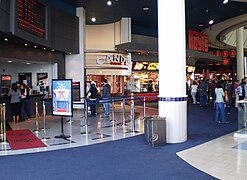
225 54
198 41
112 59
108 64
150 66
153 66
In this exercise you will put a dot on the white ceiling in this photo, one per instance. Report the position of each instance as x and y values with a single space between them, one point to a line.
223 35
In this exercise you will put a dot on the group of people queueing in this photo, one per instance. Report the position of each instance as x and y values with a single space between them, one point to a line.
222 93
93 95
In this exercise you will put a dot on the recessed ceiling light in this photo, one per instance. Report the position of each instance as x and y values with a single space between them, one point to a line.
93 19
207 10
200 25
44 48
109 3
211 21
145 8
25 44
69 52
35 46
53 50
5 39
225 1
28 63
10 61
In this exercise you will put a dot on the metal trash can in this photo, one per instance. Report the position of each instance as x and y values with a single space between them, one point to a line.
155 131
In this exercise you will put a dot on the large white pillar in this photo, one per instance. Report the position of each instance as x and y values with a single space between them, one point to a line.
172 69
240 54
74 64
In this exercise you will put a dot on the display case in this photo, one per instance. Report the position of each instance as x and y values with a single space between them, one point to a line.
242 119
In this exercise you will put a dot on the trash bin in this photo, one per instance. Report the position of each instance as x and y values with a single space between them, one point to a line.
155 131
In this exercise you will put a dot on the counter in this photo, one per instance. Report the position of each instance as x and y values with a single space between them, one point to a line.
33 99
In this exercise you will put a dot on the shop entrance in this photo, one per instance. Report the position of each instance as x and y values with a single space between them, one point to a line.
116 82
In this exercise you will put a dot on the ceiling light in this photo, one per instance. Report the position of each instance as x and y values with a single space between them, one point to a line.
93 19
109 3
5 39
200 25
28 63
69 52
211 21
145 8
35 46
52 50
10 61
207 10
25 44
225 1
44 48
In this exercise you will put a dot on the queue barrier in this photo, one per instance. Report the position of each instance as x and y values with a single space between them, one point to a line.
3 122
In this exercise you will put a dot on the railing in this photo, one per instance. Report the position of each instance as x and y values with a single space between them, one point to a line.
124 101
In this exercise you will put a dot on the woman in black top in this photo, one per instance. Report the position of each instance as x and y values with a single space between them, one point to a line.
92 95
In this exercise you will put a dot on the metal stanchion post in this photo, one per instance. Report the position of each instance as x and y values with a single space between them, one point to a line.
86 119
4 122
123 109
132 113
113 108
44 118
1 119
36 118
144 107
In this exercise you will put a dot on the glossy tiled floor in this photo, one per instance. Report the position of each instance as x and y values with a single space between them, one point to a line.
223 158
99 129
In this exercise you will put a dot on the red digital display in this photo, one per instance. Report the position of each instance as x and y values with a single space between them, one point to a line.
31 17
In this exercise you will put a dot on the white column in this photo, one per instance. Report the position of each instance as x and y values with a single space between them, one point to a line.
172 69
125 29
240 54
74 64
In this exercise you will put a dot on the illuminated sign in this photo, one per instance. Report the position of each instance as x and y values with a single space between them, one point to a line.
62 97
153 66
198 41
150 66
113 60
225 54
140 66
31 17
5 77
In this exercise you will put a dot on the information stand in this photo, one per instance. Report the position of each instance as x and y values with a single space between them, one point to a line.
62 104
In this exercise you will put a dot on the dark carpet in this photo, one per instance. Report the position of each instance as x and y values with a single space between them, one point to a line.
127 159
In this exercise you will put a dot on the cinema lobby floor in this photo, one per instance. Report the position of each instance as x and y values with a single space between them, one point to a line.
223 158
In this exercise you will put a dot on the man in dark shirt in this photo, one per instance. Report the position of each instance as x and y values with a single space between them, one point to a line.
106 96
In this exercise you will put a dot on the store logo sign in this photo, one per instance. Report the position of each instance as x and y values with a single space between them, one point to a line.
198 41
112 60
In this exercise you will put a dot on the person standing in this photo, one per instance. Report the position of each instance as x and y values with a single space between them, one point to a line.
26 100
203 89
219 104
92 95
106 95
194 91
15 103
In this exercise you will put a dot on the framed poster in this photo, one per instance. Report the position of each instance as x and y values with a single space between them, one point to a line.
62 104
76 91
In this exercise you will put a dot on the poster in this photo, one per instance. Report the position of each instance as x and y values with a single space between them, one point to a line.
76 91
62 97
